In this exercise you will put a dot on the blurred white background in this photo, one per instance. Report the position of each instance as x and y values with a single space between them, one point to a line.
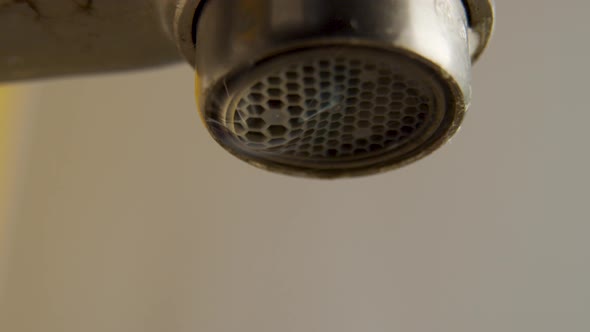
131 218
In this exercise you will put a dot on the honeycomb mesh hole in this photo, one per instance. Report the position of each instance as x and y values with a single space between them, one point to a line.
312 108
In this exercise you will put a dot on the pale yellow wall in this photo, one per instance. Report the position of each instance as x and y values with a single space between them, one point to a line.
7 109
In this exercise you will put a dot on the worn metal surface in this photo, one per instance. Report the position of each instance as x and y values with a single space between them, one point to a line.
178 18
481 21
266 38
42 38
